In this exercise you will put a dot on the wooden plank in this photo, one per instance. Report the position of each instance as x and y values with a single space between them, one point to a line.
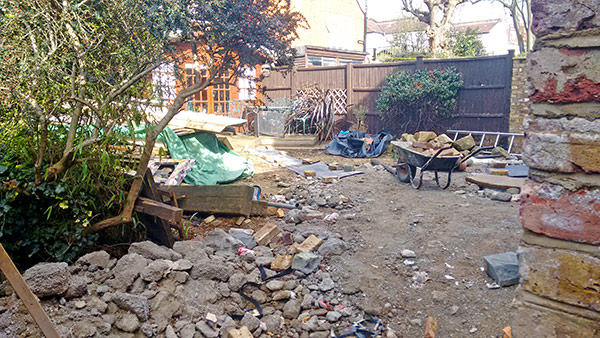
24 292
158 230
215 199
158 209
259 208
495 181
431 327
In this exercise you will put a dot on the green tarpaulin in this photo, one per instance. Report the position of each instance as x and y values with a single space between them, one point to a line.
215 163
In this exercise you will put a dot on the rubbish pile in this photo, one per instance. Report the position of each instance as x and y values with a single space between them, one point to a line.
428 143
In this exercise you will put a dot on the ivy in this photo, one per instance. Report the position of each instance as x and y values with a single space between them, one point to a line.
413 101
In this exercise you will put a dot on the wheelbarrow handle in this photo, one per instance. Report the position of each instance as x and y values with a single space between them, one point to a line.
475 152
424 167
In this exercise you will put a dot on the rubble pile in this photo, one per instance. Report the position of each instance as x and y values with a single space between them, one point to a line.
428 143
192 289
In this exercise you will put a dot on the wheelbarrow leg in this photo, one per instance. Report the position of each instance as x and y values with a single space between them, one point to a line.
412 179
437 180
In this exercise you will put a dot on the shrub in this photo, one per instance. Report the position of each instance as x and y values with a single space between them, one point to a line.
413 101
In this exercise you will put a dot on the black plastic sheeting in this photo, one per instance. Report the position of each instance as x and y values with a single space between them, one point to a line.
352 144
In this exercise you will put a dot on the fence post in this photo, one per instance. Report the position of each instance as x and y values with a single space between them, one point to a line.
419 64
508 89
292 84
349 91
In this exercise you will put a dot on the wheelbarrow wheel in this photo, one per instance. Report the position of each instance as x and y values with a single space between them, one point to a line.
404 171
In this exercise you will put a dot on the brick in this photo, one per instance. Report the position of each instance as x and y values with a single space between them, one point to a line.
550 16
266 234
281 263
554 211
566 276
310 244
309 173
532 320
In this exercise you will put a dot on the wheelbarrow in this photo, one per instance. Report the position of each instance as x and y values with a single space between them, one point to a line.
410 161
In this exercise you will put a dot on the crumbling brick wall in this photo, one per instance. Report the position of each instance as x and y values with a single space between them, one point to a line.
519 95
559 257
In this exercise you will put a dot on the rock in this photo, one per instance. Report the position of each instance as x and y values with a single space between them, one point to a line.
265 234
219 240
77 287
274 285
191 250
501 152
308 301
80 304
206 330
250 321
306 262
424 136
408 253
326 284
132 303
281 263
291 309
211 269
282 295
237 280
162 308
472 188
416 322
311 325
259 296
182 265
156 270
464 143
501 196
127 269
332 247
153 251
84 329
473 330
179 276
95 260
128 323
189 330
334 201
243 236
48 279
443 139
242 332
149 330
331 218
209 219
454 309
102 289
170 332
333 316
438 296
273 323
513 191
503 268
310 244
295 216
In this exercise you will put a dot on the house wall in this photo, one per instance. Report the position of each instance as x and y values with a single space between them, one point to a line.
559 260
497 41
333 24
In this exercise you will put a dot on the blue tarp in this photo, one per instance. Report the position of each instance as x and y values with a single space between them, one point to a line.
352 144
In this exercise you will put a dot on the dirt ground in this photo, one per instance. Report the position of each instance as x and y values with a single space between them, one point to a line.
449 230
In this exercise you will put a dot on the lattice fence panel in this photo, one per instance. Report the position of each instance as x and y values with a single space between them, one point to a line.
339 99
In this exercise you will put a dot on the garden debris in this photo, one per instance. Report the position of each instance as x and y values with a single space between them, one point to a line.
322 170
313 107
503 268
266 234
355 144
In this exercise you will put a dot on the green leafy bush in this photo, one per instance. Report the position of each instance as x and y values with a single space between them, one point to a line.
466 43
413 101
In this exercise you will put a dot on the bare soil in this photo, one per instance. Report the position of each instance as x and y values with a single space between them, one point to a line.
449 232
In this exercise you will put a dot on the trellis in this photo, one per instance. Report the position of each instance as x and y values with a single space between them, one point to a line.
337 97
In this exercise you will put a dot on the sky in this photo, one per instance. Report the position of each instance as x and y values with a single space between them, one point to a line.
381 10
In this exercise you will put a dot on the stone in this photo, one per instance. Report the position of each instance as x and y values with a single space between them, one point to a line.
189 330
182 265
310 244
237 280
424 136
132 303
295 216
153 251
243 236
80 304
333 247
211 269
266 234
274 285
326 284
206 330
408 253
95 260
84 329
281 263
48 279
209 219
128 323
280 213
191 250
503 268
500 152
443 139
282 295
149 330
306 262
127 270
242 332
311 325
219 240
307 301
250 321
333 316
170 332
416 321
273 323
259 295
333 201
162 309
465 143
501 196
348 167
454 309
156 270
291 309
513 191
77 287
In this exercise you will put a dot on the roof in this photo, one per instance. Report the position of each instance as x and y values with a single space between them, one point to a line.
483 27
395 26
308 49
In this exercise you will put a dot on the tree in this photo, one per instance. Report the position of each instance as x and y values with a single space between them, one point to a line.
437 16
466 43
520 11
75 70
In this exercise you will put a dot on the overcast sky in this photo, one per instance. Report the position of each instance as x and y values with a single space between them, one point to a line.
392 9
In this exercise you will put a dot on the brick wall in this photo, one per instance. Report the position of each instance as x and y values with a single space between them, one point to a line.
519 95
559 257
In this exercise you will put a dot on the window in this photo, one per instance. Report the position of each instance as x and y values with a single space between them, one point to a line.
163 82
315 61
221 96
199 101
246 85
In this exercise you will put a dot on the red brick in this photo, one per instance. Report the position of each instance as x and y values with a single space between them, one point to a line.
580 89
557 212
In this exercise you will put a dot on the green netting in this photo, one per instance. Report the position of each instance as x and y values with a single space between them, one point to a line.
215 163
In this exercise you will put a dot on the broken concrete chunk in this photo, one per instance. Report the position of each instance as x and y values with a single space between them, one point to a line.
501 196
219 240
153 251
295 216
266 234
424 136
95 260
48 279
500 152
244 236
306 262
465 143
443 139
503 268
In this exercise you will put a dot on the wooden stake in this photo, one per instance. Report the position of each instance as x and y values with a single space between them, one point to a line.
431 327
29 299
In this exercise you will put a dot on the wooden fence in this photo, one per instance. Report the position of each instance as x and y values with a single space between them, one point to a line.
483 100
